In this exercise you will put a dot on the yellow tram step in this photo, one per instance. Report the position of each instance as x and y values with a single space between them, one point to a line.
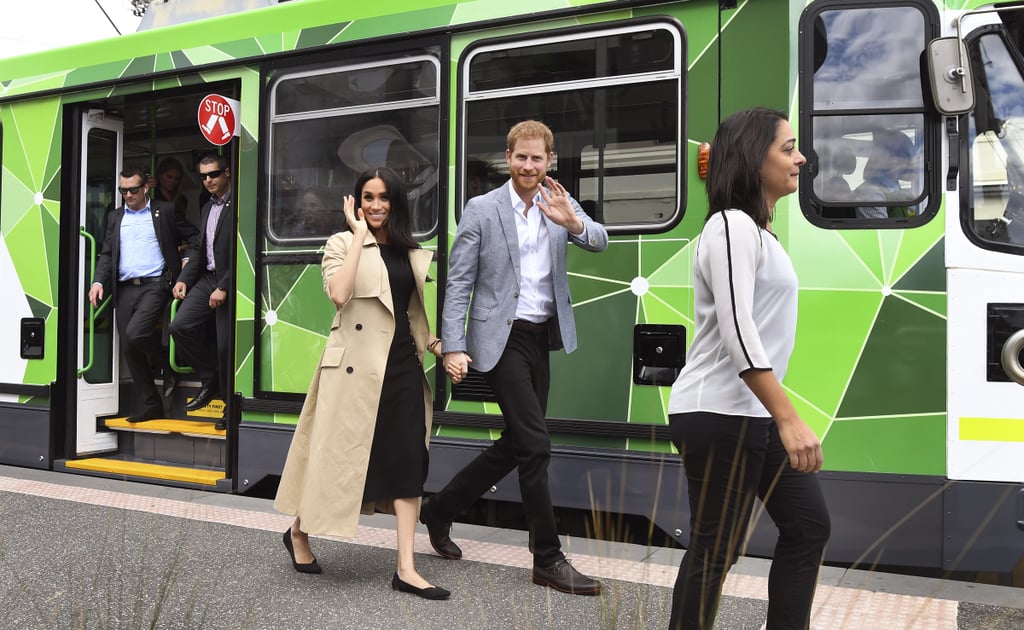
185 427
142 469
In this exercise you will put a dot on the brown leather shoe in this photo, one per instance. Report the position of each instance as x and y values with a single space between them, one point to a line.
439 533
564 577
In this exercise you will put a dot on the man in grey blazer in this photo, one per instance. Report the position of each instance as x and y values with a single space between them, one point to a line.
507 274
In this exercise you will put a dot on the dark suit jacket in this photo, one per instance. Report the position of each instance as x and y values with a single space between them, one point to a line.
223 250
171 229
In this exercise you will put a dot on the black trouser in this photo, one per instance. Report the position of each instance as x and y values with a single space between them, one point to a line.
212 364
520 381
139 307
728 461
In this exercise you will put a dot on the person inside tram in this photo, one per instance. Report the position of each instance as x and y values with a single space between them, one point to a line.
137 264
167 186
206 286
317 214
891 160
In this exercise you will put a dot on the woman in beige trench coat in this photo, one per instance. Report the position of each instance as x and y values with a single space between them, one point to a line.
325 482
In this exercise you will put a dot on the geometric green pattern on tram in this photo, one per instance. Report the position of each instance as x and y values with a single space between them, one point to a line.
242 48
51 243
17 199
827 260
646 404
657 254
817 419
24 242
881 445
320 35
936 302
95 74
918 246
594 382
825 353
304 314
903 367
583 263
293 352
667 305
928 273
142 65
403 22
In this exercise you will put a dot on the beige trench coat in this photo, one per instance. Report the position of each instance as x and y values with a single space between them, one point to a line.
325 472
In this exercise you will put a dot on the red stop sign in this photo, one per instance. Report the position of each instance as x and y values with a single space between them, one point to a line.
216 119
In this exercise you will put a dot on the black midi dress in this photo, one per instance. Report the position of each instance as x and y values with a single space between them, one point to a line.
398 455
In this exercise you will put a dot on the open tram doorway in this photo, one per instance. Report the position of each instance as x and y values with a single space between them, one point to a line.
157 132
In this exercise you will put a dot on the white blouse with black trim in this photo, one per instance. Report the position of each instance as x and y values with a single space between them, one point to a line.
745 304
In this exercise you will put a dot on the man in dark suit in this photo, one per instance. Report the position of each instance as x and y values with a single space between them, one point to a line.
206 285
137 264
507 305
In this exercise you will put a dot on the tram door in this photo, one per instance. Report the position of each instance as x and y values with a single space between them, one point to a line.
985 278
97 391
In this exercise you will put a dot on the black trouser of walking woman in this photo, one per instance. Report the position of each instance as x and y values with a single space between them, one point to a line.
730 460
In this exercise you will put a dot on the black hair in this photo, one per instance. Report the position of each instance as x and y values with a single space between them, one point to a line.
214 158
734 166
399 222
135 171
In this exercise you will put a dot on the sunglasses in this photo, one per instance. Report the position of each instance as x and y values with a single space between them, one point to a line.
133 190
211 174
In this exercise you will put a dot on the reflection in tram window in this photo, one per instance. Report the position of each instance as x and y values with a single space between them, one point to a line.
996 213
330 124
612 98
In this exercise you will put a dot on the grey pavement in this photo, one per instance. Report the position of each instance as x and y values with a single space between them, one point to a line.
67 564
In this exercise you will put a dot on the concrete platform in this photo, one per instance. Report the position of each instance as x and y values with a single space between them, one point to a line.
86 552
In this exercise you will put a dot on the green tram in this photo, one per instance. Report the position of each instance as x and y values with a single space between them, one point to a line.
907 236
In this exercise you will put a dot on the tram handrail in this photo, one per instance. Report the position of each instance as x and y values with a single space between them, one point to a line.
171 346
93 311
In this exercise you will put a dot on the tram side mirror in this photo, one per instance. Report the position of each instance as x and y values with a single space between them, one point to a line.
950 76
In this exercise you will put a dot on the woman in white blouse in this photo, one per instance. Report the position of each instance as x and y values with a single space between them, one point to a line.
736 429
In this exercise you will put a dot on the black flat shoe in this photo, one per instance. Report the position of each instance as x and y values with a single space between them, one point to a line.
431 592
439 533
309 567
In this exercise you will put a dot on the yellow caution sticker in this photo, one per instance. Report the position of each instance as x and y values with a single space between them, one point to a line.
213 410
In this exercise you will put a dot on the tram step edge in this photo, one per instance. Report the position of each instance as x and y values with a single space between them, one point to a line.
190 428
148 470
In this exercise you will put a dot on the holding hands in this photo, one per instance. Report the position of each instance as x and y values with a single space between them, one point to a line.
456 364
557 207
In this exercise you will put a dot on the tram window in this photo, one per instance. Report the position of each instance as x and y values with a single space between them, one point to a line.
586 58
612 99
330 124
994 216
869 135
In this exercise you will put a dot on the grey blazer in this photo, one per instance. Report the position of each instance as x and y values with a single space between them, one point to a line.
484 279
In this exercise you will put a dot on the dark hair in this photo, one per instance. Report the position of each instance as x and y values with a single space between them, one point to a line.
214 158
399 222
135 171
734 167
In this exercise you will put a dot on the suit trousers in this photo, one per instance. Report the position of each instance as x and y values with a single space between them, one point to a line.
212 363
137 311
730 460
520 381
